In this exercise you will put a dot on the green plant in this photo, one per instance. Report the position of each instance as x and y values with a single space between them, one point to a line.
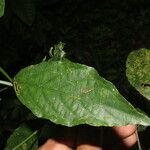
26 139
2 6
138 71
66 93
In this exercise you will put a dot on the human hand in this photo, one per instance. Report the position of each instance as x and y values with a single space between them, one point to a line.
93 138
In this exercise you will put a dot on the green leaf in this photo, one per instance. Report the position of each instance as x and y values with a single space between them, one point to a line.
24 9
23 138
138 71
2 7
70 94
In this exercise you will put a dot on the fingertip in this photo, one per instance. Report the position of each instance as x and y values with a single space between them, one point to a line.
125 131
52 144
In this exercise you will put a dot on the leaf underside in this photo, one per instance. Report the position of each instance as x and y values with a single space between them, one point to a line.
70 94
138 71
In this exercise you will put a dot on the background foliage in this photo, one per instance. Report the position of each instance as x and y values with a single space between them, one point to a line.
97 33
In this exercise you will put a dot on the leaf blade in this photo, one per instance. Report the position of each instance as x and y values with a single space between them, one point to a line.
138 71
71 94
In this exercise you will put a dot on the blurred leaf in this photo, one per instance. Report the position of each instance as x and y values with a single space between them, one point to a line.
23 138
138 71
141 128
70 94
24 9
15 108
2 7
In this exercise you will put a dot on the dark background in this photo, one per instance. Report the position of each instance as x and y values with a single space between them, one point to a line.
97 33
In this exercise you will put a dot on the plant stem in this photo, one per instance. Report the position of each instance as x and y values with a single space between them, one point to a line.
6 83
138 140
3 89
5 74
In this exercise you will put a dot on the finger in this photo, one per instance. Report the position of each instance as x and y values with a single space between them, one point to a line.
125 144
130 141
124 131
118 135
54 145
88 147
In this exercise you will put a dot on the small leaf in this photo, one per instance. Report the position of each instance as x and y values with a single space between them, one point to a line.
138 71
70 94
57 53
2 7
24 9
23 138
